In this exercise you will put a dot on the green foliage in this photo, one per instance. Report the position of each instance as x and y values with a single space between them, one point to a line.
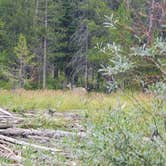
119 127
30 85
5 84
123 137
119 66
120 22
47 122
159 89
156 54
21 50
119 63
24 58
58 83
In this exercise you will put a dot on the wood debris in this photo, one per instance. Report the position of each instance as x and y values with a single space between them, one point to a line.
10 135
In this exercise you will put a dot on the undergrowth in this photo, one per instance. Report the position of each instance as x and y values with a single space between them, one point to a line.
122 128
122 136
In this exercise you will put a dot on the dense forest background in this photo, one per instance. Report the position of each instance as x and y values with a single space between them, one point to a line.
89 43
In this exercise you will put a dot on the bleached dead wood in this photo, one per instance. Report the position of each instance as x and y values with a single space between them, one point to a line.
19 132
9 154
5 125
4 164
23 143
9 133
8 120
34 137
4 143
6 112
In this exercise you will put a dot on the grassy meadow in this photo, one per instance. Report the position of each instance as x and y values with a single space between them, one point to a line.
120 126
66 100
93 104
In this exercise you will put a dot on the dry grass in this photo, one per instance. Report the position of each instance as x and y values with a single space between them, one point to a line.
64 100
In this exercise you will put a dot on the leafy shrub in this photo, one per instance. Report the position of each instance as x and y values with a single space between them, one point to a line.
5 84
56 83
159 89
123 138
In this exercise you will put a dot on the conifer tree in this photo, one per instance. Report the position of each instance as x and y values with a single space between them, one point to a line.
23 56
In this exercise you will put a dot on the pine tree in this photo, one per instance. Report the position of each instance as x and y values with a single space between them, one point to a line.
23 56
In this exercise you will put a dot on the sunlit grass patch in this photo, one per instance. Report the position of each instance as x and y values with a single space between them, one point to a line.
64 100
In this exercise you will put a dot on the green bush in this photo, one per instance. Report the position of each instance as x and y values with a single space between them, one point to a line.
123 138
56 83
5 84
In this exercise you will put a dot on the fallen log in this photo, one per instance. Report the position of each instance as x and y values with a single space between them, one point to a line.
8 120
34 137
4 142
19 132
7 153
4 164
6 112
23 143
5 125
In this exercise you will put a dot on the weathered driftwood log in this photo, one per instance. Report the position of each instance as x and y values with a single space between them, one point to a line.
23 143
5 125
19 132
8 120
4 164
9 154
5 112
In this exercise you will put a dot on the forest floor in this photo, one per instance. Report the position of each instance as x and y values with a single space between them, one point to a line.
63 112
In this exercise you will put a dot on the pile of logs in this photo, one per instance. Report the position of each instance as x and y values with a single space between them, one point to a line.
10 135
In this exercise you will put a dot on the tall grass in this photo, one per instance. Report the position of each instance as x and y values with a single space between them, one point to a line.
61 100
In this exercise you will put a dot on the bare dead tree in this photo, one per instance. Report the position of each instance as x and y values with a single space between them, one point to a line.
150 27
79 61
45 46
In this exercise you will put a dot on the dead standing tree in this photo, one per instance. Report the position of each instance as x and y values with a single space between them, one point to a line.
40 22
149 23
156 22
79 61
45 45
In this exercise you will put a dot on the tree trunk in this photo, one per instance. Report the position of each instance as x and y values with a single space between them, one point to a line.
55 71
86 60
21 80
36 11
150 28
45 47
56 134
